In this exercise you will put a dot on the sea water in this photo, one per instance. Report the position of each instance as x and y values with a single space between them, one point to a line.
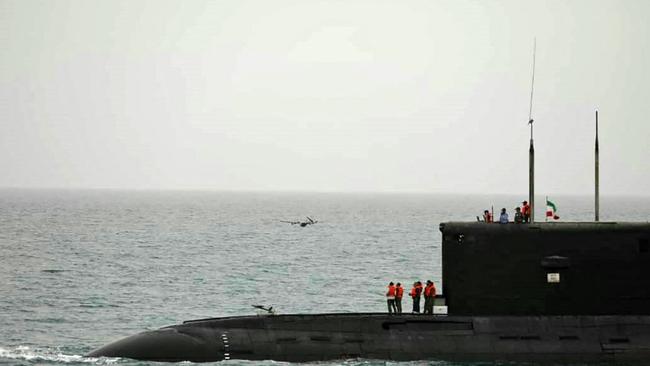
81 269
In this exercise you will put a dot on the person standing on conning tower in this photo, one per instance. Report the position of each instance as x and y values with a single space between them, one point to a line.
487 216
519 218
525 210
503 218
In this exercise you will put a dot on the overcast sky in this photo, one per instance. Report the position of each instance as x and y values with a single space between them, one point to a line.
415 96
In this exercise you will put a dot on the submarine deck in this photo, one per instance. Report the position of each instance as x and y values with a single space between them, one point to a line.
316 337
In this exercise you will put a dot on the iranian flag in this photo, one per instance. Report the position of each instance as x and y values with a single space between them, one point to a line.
551 210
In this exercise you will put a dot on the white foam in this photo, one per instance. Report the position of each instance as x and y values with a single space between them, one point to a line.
29 354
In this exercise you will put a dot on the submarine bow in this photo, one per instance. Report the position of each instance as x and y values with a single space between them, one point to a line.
169 344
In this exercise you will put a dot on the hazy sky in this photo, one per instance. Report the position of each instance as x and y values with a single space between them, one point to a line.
323 95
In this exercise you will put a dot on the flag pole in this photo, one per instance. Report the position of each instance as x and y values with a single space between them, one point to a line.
597 175
531 149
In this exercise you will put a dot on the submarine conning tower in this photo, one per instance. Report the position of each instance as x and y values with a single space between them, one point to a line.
598 268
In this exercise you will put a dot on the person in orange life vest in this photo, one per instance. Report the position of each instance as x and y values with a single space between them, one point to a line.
429 296
399 293
416 292
525 210
390 298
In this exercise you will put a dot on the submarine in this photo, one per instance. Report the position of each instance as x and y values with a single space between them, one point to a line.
522 292
539 291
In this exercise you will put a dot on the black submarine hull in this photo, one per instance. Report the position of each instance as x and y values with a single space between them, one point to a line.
319 337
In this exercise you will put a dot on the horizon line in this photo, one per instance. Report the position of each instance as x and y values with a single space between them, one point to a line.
305 191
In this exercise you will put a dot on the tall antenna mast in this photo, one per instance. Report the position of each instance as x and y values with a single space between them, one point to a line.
531 150
597 175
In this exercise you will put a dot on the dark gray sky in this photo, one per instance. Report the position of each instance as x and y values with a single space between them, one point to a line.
323 95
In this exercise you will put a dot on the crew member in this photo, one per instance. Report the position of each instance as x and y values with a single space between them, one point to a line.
429 296
525 210
519 218
390 298
416 292
487 216
399 293
503 219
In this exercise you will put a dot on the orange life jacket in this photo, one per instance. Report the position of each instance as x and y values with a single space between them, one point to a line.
391 291
430 291
400 292
414 292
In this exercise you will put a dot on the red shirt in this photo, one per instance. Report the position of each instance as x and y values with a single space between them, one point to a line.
400 292
487 217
